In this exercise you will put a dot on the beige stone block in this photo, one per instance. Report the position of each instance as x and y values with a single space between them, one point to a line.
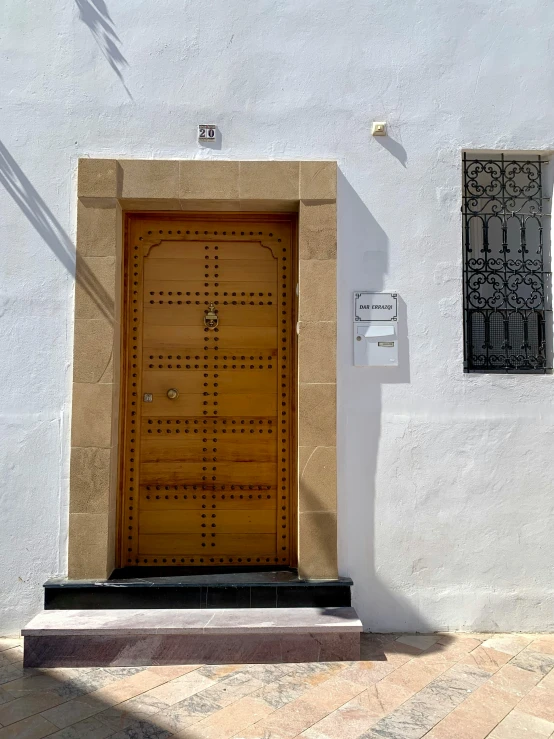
116 355
149 178
317 554
97 178
99 202
318 230
269 205
88 545
317 300
317 410
150 204
93 350
209 206
317 351
269 180
204 180
116 405
95 287
96 230
118 267
318 180
317 479
112 536
91 421
90 479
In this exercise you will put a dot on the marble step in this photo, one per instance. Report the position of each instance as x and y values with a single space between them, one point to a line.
127 637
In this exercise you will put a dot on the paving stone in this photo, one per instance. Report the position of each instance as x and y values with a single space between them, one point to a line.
33 727
439 686
544 644
419 641
486 659
511 644
90 728
518 725
539 702
515 680
534 661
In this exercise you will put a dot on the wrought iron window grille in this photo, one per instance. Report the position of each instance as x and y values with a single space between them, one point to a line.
507 289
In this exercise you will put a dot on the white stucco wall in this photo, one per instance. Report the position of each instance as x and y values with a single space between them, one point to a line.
445 480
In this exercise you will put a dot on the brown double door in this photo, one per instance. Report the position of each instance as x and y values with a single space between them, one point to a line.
207 448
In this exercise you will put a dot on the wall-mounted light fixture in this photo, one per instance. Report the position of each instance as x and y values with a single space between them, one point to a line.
379 128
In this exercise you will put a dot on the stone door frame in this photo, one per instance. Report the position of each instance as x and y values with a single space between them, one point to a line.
107 188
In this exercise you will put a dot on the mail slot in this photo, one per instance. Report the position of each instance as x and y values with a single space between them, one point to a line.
375 344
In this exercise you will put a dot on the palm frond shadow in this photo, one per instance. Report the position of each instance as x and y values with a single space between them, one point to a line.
50 230
96 16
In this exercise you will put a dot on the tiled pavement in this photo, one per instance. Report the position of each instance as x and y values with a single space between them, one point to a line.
459 686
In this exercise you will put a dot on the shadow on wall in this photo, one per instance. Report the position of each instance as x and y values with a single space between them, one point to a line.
363 250
49 229
394 147
96 16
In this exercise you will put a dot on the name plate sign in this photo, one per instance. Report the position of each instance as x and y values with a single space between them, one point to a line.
375 306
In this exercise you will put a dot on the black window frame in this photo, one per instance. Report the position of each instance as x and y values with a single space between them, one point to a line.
506 288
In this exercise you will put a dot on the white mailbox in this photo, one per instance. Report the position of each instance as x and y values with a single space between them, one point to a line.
375 329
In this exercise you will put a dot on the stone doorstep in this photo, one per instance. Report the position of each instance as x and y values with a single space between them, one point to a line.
178 636
115 622
275 589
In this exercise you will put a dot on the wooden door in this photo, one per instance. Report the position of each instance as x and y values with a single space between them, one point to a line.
206 476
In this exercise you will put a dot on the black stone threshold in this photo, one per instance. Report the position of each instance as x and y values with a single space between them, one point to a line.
127 573
250 589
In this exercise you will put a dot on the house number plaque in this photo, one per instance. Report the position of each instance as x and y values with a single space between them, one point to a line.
206 132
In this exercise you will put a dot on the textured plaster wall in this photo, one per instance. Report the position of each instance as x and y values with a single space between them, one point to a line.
445 479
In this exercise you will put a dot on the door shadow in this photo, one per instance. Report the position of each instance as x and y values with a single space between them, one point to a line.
364 253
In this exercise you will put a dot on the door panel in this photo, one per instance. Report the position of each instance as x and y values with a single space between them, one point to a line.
207 475
251 271
241 548
257 381
247 315
252 337
189 473
162 449
192 293
238 521
225 250
174 501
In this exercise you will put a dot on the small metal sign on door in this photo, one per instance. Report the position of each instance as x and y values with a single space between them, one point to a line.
375 306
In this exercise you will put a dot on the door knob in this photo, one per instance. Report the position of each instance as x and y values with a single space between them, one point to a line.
172 393
211 318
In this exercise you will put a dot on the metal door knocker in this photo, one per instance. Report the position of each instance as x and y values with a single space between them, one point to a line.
211 319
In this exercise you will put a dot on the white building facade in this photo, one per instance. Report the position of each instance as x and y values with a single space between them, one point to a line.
444 505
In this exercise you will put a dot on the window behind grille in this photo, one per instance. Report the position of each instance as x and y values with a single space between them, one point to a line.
506 285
